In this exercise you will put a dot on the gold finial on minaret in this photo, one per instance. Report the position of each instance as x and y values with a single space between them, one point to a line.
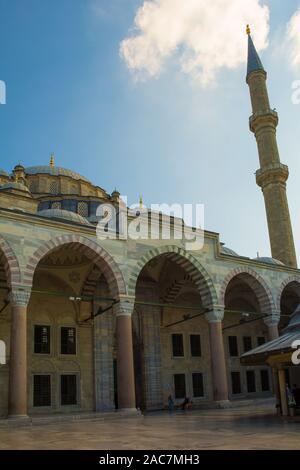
141 201
52 159
248 30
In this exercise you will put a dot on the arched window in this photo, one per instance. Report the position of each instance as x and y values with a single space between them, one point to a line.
34 186
2 353
53 187
83 209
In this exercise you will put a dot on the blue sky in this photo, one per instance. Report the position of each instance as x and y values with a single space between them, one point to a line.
168 137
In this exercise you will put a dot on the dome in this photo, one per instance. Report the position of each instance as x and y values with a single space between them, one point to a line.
14 185
64 215
268 260
54 171
228 251
3 173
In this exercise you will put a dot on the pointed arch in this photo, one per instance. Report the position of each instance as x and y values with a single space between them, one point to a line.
11 263
95 252
256 283
185 260
290 280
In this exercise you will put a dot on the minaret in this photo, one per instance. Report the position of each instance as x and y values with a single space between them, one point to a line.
272 175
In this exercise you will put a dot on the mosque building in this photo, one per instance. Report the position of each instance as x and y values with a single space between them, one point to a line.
93 324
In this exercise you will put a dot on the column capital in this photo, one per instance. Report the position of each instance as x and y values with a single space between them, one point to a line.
273 319
125 306
19 297
216 314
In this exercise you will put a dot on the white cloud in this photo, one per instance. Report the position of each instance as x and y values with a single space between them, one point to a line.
294 38
202 36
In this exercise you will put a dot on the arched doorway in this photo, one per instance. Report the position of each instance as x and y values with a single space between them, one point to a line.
289 300
73 281
9 273
248 304
172 351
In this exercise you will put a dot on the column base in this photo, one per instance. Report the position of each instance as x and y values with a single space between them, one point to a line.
129 411
223 404
18 419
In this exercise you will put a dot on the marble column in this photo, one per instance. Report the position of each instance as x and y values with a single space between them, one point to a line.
272 324
282 390
17 394
125 361
218 362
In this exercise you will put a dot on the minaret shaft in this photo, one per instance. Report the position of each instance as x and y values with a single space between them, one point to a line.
272 175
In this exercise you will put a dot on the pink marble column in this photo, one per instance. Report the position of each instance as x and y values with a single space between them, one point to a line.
218 362
125 361
17 395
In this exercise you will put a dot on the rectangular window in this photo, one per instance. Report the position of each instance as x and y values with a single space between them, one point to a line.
251 385
68 389
179 385
198 390
233 346
68 340
247 341
260 340
177 344
235 383
195 342
264 380
42 339
41 390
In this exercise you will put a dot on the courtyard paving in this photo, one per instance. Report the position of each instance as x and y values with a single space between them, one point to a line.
249 428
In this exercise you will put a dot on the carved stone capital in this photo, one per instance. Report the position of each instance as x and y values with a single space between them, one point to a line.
216 314
125 307
272 320
19 297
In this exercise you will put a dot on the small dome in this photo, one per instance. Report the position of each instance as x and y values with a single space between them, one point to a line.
228 251
19 167
3 173
54 171
14 185
268 260
64 215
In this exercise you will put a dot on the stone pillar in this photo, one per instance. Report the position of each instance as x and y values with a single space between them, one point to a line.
275 383
103 352
218 363
282 390
17 395
152 357
272 324
125 362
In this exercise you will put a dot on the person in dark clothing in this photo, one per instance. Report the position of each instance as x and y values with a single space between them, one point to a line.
186 405
296 393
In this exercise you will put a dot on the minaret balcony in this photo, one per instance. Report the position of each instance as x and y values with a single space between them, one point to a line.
263 118
273 173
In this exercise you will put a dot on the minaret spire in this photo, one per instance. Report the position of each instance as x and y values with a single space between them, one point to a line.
272 175
254 62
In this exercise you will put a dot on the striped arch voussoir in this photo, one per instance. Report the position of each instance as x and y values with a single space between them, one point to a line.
284 284
185 260
11 263
256 282
102 258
